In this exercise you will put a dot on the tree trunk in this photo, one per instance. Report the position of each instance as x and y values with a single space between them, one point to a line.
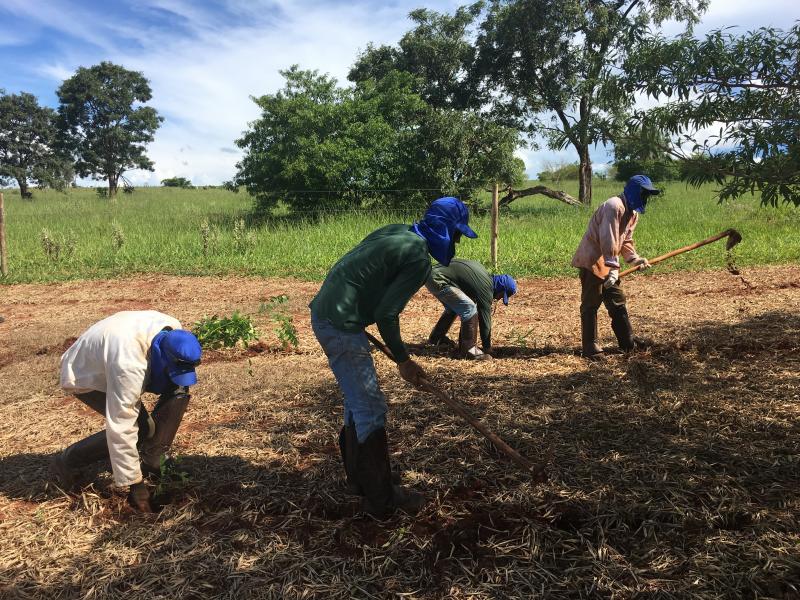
112 186
584 176
24 190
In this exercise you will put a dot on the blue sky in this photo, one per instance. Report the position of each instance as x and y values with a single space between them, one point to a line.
205 59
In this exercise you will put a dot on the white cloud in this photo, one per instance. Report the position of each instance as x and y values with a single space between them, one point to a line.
204 73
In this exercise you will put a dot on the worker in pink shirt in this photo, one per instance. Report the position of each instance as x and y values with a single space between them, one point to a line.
609 234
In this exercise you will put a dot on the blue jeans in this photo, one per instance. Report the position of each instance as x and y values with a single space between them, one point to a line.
351 362
454 300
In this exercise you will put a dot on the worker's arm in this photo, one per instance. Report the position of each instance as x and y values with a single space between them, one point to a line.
395 297
608 233
124 383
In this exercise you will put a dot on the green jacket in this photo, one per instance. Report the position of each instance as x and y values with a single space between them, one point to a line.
373 283
472 278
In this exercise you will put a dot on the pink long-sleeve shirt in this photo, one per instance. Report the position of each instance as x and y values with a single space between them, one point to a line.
609 234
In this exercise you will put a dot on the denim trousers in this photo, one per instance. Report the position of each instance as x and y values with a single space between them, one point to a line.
454 300
351 362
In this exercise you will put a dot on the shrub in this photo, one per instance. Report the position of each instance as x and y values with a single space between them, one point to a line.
225 332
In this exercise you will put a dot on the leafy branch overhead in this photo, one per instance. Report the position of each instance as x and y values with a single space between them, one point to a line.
733 108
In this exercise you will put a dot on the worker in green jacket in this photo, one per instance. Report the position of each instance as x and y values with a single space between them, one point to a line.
372 284
467 290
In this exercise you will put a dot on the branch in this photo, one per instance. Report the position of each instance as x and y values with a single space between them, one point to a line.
512 195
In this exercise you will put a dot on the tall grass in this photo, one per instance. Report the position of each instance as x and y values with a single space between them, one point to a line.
212 231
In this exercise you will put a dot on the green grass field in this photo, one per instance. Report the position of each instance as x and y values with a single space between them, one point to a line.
162 230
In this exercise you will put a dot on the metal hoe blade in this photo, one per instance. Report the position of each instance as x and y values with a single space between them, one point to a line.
734 237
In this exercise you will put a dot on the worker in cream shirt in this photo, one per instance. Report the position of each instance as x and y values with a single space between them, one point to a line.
108 368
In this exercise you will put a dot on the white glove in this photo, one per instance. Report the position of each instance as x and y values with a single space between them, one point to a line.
642 263
611 278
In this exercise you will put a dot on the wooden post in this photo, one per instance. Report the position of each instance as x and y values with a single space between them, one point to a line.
3 258
495 211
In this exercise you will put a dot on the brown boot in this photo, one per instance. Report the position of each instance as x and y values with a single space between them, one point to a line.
589 347
468 341
65 465
374 473
438 336
167 416
621 325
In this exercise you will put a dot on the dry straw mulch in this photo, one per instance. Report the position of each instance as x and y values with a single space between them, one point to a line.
673 473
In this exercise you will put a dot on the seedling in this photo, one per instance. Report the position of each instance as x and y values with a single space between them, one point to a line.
171 478
285 329
225 332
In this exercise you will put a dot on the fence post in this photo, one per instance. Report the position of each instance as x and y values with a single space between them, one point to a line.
494 233
3 258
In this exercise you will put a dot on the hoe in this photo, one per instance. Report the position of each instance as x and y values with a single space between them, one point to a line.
734 237
537 471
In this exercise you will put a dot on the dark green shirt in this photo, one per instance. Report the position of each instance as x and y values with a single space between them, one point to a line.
472 278
373 283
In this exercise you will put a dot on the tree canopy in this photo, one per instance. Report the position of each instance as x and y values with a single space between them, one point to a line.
733 110
104 125
28 149
364 143
558 65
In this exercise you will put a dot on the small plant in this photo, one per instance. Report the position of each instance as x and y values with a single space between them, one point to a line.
102 192
285 329
171 478
519 338
243 239
209 236
117 236
52 249
225 332
70 242
56 248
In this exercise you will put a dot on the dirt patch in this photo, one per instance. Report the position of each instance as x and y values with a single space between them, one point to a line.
673 472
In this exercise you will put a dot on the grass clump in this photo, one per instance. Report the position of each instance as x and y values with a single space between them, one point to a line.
225 332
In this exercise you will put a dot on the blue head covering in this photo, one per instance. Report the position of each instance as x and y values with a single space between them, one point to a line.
174 354
443 218
504 284
634 196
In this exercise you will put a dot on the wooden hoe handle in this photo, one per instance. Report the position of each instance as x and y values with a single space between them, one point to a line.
658 259
460 410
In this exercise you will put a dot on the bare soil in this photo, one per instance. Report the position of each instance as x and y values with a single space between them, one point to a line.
672 473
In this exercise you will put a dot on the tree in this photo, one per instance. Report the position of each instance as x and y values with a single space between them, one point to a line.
103 123
180 182
644 154
747 89
438 52
28 150
361 141
557 63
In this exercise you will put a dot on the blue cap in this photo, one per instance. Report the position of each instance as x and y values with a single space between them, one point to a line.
451 210
504 284
183 353
443 218
634 197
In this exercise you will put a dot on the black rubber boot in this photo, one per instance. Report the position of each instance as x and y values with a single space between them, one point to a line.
348 446
374 473
438 335
468 341
621 325
66 465
589 347
167 416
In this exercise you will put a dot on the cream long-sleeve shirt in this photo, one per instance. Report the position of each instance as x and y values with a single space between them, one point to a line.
609 234
112 357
